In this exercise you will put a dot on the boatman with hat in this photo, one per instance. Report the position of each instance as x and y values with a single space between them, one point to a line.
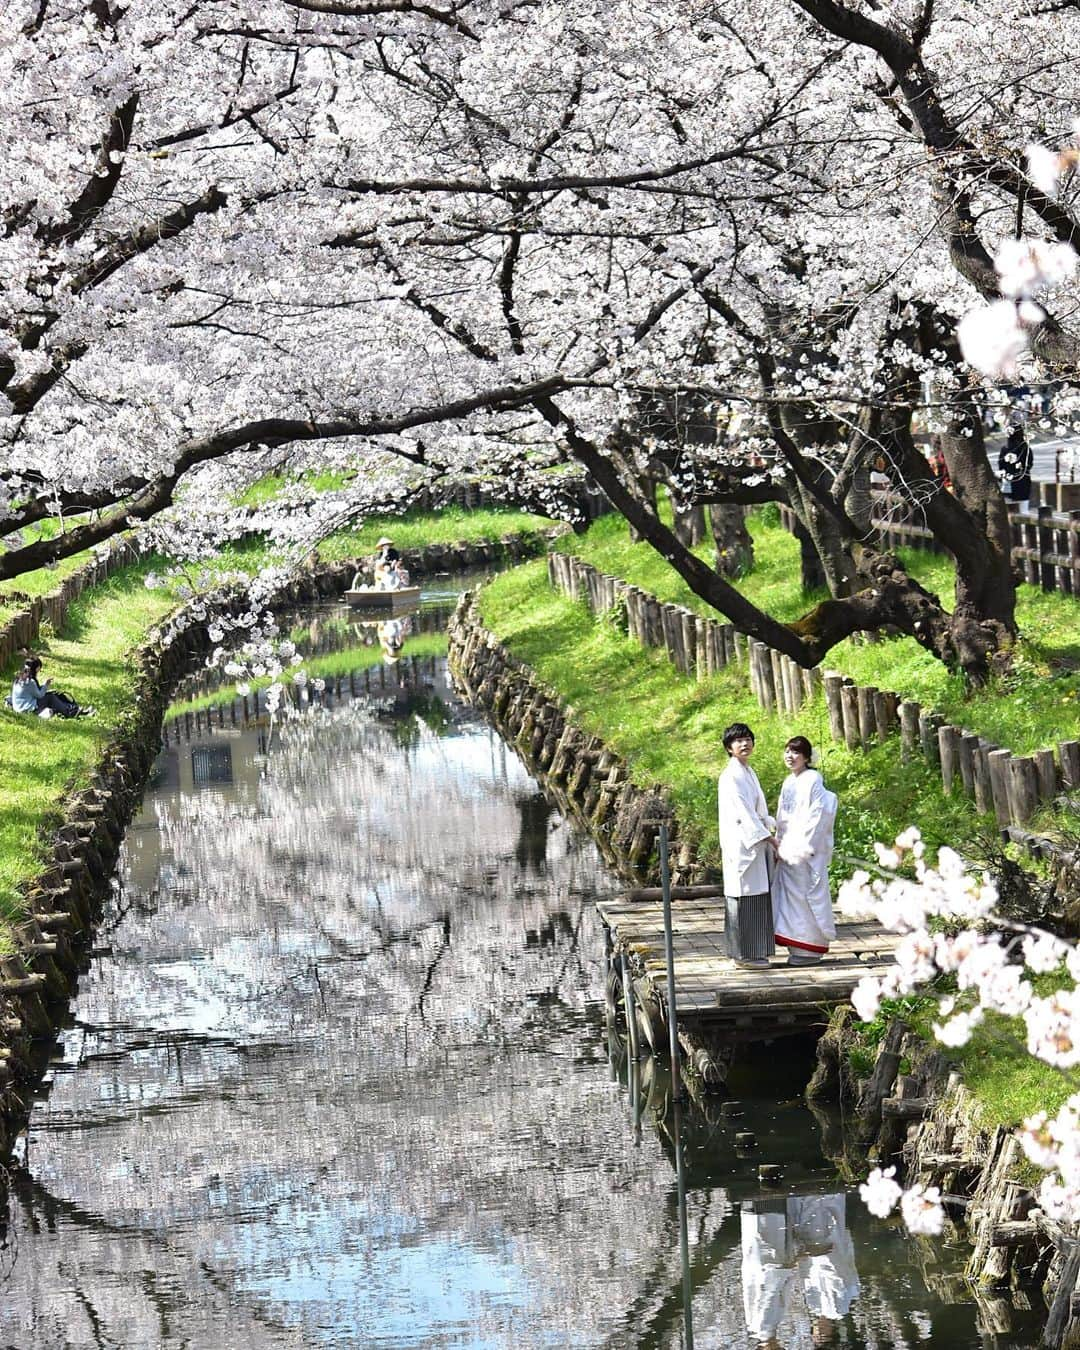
386 556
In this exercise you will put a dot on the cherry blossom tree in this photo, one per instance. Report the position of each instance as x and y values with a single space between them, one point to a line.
410 242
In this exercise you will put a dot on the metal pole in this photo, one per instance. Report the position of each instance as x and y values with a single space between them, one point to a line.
628 1006
669 954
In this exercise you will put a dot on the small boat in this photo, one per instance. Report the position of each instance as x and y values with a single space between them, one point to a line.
373 597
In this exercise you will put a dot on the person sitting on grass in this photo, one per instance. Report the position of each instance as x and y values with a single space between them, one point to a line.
29 693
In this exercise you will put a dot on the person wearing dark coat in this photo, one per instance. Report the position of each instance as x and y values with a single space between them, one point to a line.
1014 465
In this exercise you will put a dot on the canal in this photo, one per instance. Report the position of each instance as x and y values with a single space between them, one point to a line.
338 1075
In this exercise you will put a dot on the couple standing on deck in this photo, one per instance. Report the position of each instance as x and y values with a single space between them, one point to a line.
776 884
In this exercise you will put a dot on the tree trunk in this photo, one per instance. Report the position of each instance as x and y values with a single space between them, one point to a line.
837 563
689 524
734 546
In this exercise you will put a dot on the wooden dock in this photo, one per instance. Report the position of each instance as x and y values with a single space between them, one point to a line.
709 990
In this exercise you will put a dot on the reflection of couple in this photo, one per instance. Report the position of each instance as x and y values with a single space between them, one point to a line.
392 635
776 887
801 1243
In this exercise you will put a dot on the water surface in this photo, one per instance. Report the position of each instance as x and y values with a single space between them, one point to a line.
338 1075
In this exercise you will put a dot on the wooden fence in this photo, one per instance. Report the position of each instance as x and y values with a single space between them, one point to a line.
22 630
1012 787
1045 544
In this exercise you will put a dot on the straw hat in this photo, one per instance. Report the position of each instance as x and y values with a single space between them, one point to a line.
379 542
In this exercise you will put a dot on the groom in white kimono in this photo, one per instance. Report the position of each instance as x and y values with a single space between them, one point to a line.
746 849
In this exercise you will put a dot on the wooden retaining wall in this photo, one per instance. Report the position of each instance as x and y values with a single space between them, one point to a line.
588 780
1010 786
23 629
913 1111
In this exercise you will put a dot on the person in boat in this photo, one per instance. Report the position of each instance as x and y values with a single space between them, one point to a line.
30 693
395 577
805 815
386 556
746 849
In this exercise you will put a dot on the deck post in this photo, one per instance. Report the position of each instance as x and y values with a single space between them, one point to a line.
629 1005
669 955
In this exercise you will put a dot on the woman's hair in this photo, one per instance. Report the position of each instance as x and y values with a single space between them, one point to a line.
801 746
30 668
734 732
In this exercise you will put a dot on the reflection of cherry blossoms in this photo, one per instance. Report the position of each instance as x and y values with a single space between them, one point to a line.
989 960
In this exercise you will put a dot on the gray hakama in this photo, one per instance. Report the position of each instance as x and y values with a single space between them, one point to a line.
748 930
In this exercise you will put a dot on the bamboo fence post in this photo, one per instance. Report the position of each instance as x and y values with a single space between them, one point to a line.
768 692
833 684
984 788
849 702
867 722
776 661
948 755
999 782
969 745
1069 753
1023 788
909 729
928 729
1046 774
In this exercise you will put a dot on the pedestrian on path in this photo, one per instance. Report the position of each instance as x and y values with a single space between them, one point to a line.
1014 464
805 814
746 850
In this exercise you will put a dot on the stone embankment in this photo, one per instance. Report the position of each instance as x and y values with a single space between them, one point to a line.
587 778
914 1113
81 842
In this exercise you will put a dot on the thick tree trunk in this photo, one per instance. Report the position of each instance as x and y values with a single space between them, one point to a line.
734 546
690 525
837 563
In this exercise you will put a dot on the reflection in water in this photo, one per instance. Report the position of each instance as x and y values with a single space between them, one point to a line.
336 1078
798 1265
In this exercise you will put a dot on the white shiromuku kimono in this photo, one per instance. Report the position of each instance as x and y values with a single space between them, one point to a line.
802 905
826 1254
745 827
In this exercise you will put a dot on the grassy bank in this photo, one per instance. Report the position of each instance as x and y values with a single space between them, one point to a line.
40 759
669 728
1034 705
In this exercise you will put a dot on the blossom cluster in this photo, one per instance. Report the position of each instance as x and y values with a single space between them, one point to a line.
948 927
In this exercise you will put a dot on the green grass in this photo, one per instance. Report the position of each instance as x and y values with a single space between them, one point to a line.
1036 704
41 758
669 727
418 529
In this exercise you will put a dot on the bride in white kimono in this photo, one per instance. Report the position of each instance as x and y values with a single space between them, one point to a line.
802 905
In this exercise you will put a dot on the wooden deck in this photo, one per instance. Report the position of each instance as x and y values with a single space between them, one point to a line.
708 988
